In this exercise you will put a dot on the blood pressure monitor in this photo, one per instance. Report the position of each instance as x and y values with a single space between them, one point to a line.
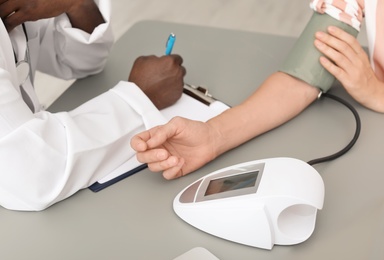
258 203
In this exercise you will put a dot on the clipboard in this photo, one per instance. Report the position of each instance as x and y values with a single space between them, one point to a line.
196 103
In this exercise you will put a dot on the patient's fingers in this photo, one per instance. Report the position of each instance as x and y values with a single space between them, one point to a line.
164 165
153 137
176 171
345 37
152 156
138 143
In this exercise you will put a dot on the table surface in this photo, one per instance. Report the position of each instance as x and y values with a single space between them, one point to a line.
134 218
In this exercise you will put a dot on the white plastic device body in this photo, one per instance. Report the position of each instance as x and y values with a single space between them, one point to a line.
258 203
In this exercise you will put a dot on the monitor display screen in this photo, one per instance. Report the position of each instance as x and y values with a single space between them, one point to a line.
234 182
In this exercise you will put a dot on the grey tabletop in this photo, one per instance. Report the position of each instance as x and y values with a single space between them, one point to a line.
134 218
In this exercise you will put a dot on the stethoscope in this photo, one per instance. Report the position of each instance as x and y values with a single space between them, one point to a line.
23 68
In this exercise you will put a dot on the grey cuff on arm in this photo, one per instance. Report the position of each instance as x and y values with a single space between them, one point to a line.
303 60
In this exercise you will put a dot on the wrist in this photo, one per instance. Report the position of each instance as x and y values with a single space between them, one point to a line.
74 7
372 99
217 138
84 15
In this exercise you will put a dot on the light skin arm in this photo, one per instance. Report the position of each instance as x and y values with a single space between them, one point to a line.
345 59
182 146
83 14
280 98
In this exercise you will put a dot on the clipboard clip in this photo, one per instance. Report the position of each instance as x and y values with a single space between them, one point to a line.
200 93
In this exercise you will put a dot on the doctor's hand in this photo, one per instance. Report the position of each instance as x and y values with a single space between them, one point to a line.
346 60
83 14
160 78
176 148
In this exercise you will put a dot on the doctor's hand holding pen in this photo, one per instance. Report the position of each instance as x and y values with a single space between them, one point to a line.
160 78
14 13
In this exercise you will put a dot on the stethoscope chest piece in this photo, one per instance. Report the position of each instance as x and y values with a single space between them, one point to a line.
22 70
23 67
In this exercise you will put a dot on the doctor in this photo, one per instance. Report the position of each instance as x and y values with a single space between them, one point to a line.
45 157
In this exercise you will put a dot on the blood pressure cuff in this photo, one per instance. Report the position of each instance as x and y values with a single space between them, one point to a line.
303 60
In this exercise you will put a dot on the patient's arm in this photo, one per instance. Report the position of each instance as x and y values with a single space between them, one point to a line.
182 146
280 98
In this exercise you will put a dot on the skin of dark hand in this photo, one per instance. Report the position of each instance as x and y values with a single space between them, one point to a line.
83 14
160 78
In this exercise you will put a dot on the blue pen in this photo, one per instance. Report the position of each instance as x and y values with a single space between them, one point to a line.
170 43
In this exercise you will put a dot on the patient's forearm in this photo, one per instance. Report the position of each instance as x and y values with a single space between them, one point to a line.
279 99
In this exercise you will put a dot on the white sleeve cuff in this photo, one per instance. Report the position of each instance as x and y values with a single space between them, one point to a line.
136 98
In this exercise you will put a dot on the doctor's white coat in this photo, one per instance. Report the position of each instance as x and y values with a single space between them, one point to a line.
47 157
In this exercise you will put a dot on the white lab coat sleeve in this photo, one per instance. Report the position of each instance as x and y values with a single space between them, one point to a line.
52 156
62 45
